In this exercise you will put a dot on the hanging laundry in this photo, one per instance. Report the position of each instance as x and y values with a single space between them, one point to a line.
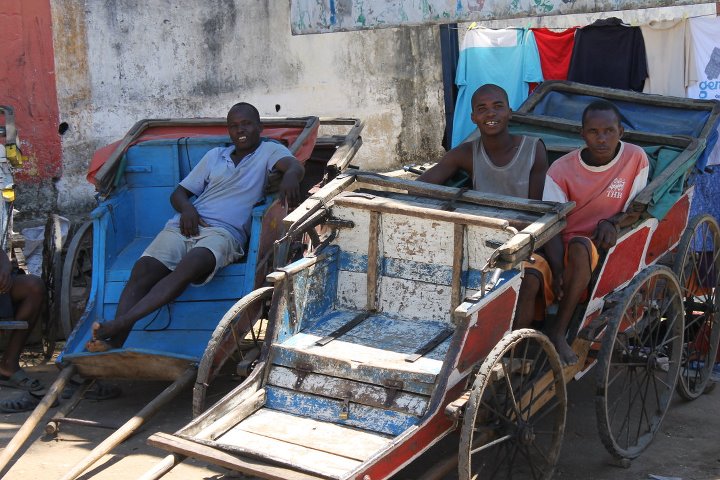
508 58
703 75
665 48
608 53
703 66
555 50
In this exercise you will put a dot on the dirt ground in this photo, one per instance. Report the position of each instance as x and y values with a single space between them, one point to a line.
687 446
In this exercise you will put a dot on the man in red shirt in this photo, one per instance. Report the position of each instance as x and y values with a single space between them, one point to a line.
602 179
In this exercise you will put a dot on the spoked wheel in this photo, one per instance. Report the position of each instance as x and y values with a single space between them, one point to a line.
514 421
697 265
639 362
247 316
77 278
52 276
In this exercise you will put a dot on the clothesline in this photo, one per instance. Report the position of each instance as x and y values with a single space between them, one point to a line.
474 25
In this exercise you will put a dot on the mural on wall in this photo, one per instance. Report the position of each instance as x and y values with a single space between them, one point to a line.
324 16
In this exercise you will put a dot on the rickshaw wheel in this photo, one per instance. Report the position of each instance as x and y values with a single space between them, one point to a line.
51 275
697 265
639 362
514 420
248 315
77 278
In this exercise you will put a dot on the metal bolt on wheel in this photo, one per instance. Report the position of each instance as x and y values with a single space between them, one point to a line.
639 362
514 421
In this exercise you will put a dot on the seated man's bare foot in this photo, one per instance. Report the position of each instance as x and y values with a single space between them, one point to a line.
565 351
96 346
99 342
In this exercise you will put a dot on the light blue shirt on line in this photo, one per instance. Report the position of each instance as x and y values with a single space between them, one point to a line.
226 193
508 58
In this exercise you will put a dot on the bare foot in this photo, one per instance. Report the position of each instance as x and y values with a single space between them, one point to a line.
567 355
96 346
98 343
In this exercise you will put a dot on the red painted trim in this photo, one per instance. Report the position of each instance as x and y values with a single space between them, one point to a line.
623 262
27 76
669 230
427 435
494 319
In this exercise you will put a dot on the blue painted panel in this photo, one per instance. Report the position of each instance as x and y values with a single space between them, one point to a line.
378 331
152 164
185 343
180 315
328 410
410 270
152 209
218 288
191 150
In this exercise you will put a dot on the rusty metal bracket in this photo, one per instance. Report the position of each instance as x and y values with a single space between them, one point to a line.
361 317
392 389
302 370
335 222
429 346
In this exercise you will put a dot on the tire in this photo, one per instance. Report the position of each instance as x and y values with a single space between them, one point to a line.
52 276
514 420
697 266
77 278
226 340
639 362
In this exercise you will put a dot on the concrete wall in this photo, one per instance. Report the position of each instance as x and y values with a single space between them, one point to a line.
118 61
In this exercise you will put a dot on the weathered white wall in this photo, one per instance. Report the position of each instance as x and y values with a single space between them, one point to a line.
118 61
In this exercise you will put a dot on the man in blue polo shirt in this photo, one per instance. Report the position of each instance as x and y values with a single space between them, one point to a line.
209 231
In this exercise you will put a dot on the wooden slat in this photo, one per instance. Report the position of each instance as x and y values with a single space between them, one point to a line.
234 416
458 250
362 393
215 456
448 193
322 436
384 205
319 198
129 364
373 256
287 454
330 410
343 356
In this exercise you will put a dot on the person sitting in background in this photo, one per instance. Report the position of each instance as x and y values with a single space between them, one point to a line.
602 179
498 162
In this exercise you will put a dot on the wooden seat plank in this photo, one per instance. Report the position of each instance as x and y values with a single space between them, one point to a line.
322 436
288 454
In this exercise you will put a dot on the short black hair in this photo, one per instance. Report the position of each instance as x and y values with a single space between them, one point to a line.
490 87
602 106
253 110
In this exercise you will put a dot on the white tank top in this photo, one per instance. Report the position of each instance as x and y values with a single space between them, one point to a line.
512 179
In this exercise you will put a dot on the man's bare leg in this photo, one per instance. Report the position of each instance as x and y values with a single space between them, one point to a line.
28 295
529 289
575 282
194 267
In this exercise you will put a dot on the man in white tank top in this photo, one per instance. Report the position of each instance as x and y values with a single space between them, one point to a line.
497 162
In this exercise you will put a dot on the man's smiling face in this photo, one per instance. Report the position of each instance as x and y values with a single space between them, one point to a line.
490 112
244 128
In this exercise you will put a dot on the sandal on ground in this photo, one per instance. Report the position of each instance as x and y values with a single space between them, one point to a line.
22 381
97 391
23 402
